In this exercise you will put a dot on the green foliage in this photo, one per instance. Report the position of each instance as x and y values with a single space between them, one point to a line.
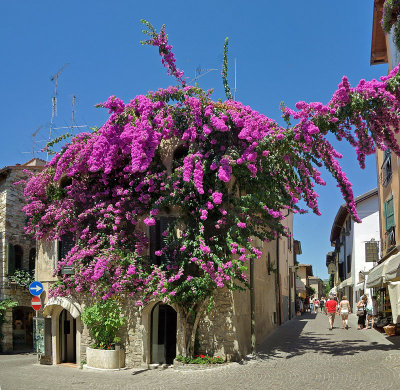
200 359
225 72
104 320
56 141
4 306
22 278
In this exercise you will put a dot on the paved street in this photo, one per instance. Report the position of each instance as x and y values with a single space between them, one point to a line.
301 354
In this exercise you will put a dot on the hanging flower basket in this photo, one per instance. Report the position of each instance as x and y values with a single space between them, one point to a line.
390 330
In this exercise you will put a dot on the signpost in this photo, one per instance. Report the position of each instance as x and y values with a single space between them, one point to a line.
36 303
36 288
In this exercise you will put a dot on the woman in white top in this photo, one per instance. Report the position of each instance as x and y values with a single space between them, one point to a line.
344 310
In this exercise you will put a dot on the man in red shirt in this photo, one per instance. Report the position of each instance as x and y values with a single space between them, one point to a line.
330 310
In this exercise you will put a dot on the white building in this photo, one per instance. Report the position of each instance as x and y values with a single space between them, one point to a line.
356 245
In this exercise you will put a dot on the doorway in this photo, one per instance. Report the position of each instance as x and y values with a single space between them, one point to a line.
67 337
22 325
163 334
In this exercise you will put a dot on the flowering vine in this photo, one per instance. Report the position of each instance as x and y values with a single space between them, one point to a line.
234 175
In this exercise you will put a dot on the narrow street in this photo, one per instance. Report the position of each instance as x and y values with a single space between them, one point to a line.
301 354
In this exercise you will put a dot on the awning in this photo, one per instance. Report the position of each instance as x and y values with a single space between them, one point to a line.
359 286
376 275
345 283
300 286
333 291
392 272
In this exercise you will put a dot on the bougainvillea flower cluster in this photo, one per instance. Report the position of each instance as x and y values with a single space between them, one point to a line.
234 174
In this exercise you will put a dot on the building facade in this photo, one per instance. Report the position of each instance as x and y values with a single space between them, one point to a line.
353 243
17 253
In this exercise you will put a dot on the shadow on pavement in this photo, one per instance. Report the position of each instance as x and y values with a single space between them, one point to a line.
290 340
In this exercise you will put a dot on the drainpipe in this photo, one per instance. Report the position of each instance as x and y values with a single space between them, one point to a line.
278 284
252 308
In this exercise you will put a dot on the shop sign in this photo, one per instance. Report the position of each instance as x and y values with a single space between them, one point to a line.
372 251
331 268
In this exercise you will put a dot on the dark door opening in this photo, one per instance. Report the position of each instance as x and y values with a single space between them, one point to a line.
67 337
22 323
163 334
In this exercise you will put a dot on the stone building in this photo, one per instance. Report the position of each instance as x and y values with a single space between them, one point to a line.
154 333
17 252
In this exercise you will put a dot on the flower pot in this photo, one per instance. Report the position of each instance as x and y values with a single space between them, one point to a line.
105 359
390 330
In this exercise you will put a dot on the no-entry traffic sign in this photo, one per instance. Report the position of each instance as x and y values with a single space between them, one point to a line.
36 304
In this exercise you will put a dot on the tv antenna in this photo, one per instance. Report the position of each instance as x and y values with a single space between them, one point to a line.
234 90
34 142
199 72
54 103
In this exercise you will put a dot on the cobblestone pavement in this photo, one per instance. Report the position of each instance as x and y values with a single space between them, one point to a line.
301 354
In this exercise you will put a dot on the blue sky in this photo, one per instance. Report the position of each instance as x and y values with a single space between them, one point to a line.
285 51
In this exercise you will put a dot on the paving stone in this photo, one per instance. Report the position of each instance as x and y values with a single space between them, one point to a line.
301 354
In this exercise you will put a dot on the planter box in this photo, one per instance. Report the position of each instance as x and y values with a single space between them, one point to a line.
105 359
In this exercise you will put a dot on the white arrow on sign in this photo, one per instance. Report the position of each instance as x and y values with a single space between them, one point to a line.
37 288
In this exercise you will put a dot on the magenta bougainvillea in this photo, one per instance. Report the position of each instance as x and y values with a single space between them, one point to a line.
235 175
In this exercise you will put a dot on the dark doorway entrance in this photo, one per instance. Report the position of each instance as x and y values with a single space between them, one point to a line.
67 337
163 334
22 323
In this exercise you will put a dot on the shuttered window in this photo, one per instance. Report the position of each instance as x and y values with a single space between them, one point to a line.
389 214
10 259
157 241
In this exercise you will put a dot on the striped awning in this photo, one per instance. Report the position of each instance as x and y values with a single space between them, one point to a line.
392 271
345 283
376 276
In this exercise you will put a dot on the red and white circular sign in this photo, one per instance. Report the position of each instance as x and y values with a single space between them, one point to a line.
36 304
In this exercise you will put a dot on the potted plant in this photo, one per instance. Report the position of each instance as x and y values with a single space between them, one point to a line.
390 18
104 320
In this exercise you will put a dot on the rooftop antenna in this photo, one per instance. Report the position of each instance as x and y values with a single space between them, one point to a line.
200 73
54 102
234 90
34 142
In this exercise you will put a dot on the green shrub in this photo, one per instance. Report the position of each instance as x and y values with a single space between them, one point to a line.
104 320
200 359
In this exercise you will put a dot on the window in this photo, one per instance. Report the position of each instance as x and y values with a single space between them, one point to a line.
32 257
157 240
64 246
348 264
386 169
389 214
18 257
14 258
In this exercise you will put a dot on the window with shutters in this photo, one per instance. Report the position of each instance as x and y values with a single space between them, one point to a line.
64 246
10 259
389 214
386 169
18 257
157 240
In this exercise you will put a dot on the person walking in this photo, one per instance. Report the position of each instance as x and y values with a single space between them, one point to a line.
322 304
344 310
361 312
330 311
373 311
316 305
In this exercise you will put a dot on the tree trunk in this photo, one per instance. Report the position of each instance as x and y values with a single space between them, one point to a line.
190 326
